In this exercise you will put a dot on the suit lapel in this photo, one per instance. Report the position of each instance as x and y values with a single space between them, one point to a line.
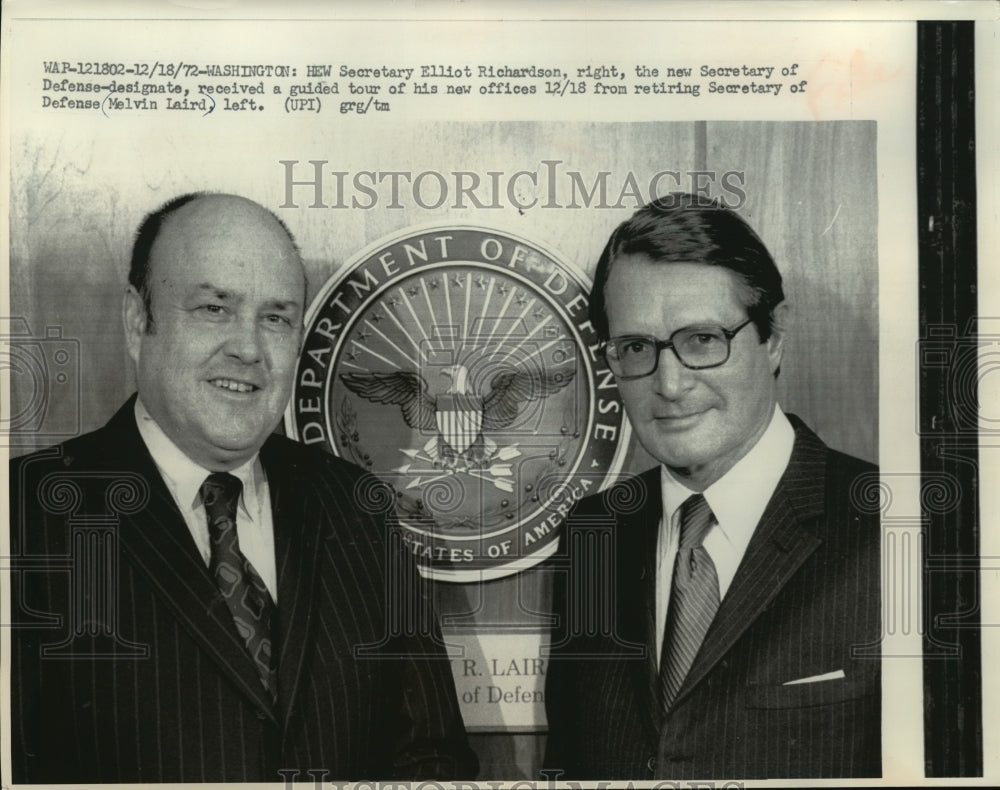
159 543
297 515
788 533
637 599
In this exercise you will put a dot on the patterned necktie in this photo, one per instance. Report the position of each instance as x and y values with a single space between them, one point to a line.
694 599
241 587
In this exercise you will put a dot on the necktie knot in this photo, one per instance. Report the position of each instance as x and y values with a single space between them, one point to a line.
220 494
696 519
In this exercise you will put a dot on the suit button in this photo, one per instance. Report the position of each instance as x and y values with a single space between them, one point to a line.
651 765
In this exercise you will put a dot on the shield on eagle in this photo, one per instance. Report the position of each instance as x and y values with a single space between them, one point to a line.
459 420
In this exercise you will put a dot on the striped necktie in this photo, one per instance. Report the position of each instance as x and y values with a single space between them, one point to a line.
241 586
694 599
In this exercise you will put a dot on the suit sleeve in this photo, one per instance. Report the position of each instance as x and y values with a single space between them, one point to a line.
35 750
560 696
24 679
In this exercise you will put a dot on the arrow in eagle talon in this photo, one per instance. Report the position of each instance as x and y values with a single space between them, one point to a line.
407 469
503 485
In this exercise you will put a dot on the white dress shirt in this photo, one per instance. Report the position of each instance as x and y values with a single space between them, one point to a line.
254 524
737 500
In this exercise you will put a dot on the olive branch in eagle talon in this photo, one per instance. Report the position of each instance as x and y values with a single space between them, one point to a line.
347 424
459 417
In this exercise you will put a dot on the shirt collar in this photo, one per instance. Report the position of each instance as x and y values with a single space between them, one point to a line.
739 497
183 476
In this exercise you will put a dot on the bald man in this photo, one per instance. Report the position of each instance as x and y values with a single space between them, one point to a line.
196 598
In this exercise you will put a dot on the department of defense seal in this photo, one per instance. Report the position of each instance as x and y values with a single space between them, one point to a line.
458 365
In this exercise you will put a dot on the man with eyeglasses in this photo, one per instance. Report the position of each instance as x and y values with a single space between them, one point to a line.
738 636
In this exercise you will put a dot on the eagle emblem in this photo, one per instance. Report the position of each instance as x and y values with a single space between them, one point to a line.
461 417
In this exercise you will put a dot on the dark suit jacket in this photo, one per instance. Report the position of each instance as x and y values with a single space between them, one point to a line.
804 602
126 663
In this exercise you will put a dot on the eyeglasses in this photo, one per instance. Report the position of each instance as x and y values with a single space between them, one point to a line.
696 347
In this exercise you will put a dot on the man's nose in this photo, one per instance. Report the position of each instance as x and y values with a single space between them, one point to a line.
243 340
671 377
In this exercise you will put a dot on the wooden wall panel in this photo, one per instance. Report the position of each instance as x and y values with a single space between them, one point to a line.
811 195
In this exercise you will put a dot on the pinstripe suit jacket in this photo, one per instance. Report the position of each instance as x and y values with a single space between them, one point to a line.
804 602
126 665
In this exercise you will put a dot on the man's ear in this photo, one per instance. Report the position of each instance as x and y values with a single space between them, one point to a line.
776 342
135 319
